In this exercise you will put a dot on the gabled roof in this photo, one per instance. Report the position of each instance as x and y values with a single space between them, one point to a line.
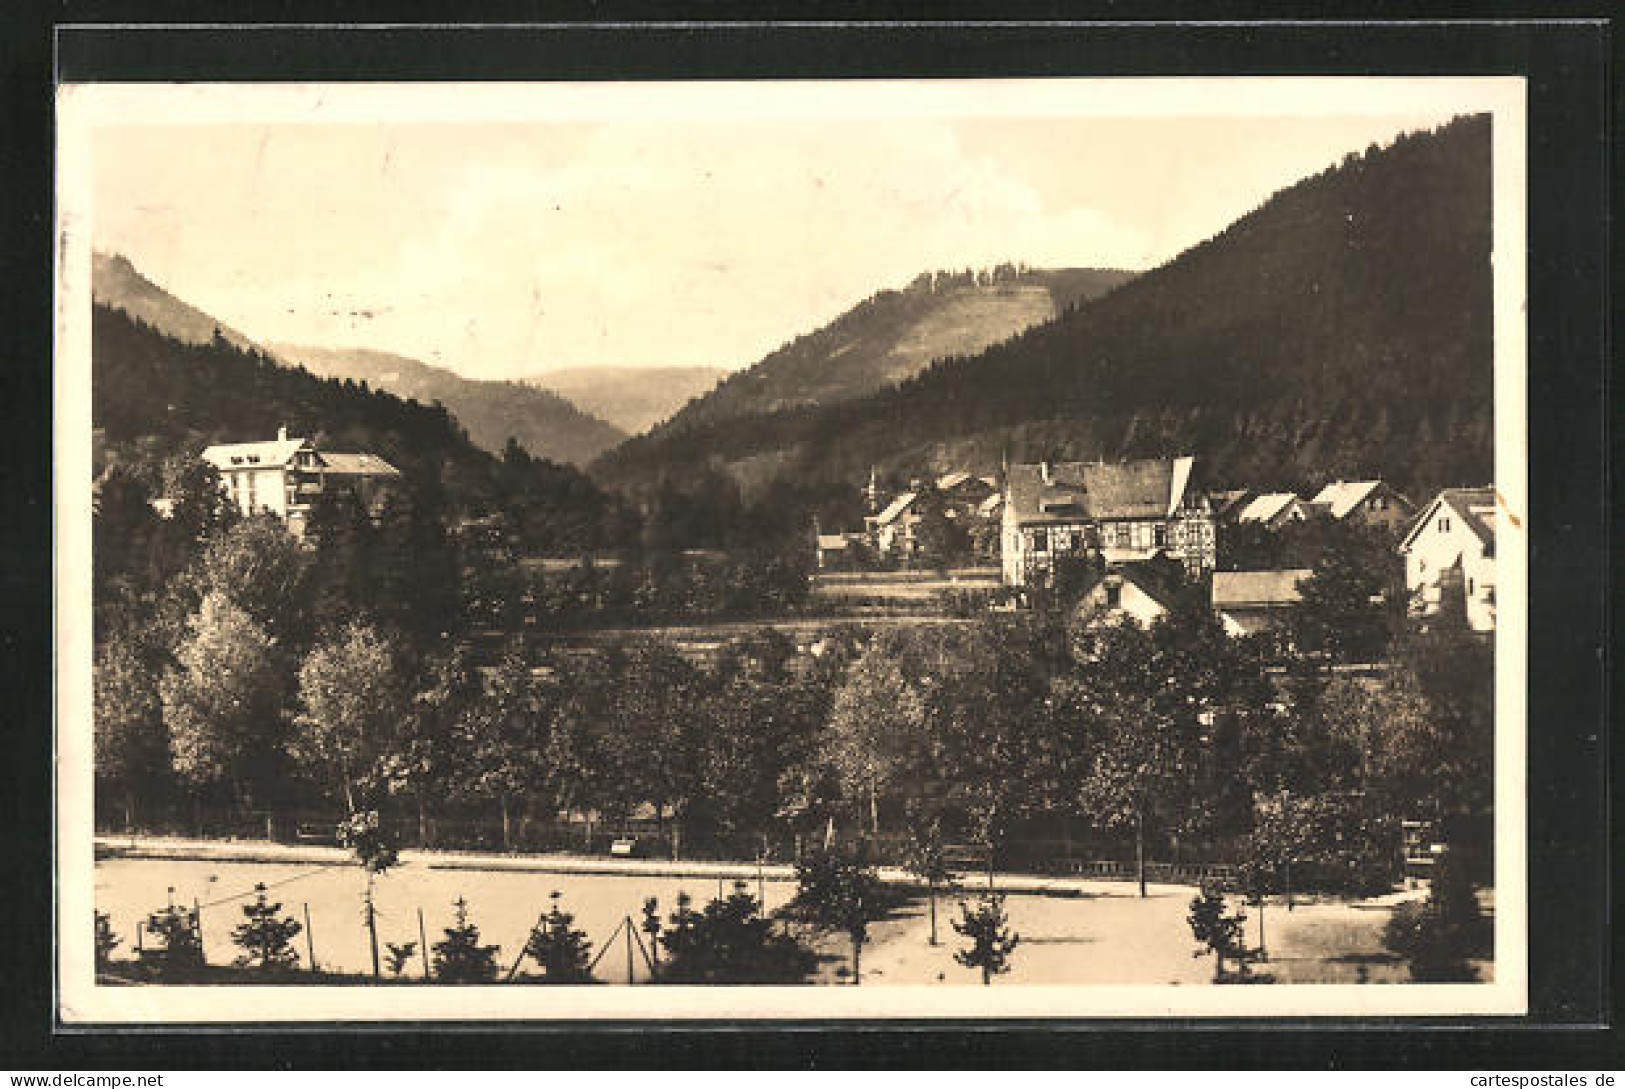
1238 589
1159 582
357 465
1267 507
949 481
990 504
1474 506
1342 496
895 508
1096 491
272 454
1225 502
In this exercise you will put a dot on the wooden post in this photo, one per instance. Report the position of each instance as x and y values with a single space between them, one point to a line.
423 944
1139 848
310 939
628 924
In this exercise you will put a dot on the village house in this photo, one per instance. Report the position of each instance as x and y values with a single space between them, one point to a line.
1249 602
1274 510
1123 512
892 530
285 475
1366 502
1136 591
1450 555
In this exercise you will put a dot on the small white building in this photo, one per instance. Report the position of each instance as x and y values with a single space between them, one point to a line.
1451 550
285 475
1124 593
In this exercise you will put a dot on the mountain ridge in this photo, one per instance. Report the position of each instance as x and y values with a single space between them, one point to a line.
633 398
1341 328
541 421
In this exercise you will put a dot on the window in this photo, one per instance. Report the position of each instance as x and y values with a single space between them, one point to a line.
1444 525
1469 587
1159 534
1040 540
1114 596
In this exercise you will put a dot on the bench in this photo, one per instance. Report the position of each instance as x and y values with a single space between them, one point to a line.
325 832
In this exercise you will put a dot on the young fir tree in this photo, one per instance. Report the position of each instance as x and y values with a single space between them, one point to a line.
399 955
266 939
731 942
651 926
991 940
1438 936
460 958
106 940
1217 933
562 951
180 948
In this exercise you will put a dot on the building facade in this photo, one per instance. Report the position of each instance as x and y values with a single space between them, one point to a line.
1124 512
284 476
1450 551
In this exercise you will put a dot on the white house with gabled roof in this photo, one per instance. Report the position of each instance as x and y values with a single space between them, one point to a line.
1450 550
285 475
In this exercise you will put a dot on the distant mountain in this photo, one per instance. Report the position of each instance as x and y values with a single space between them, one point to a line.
895 334
1341 329
154 396
115 282
634 399
544 423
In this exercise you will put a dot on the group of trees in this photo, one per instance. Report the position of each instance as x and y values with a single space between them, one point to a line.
229 690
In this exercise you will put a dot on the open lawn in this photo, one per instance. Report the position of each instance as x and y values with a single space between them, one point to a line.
1106 934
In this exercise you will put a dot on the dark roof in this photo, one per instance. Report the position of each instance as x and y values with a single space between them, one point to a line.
1160 580
1096 491
1235 589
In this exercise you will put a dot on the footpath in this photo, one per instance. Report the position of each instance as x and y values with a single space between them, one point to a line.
158 848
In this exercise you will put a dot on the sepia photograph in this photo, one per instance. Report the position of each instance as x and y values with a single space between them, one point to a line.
964 548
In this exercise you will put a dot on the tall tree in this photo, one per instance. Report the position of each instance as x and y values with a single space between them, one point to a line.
132 747
223 701
875 716
354 701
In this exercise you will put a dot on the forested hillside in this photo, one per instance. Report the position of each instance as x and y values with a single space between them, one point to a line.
115 282
634 399
1343 328
544 423
156 399
893 335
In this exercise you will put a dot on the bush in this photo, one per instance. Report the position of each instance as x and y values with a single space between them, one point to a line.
181 947
730 942
1439 935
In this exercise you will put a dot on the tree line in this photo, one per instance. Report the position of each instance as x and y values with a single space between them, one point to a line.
260 678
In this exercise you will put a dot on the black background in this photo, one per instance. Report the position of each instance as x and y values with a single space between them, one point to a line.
1570 122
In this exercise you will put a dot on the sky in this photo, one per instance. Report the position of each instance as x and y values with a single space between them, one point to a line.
506 247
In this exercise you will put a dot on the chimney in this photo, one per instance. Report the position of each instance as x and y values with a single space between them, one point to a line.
282 434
